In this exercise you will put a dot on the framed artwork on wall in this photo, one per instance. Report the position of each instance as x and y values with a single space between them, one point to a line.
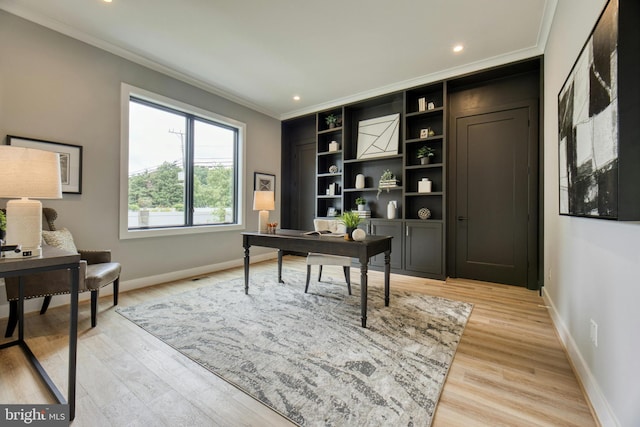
70 160
264 182
588 125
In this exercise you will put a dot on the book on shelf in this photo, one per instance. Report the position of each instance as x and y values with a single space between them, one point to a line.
363 214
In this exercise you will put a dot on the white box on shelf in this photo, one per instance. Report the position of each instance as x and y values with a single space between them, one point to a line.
424 186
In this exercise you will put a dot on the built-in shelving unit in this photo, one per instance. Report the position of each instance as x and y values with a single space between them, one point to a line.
337 165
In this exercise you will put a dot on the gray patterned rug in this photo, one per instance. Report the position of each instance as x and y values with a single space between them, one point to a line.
306 356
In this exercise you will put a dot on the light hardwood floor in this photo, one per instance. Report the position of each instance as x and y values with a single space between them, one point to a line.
509 370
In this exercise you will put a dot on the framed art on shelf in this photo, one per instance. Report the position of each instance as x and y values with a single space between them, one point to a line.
70 160
264 182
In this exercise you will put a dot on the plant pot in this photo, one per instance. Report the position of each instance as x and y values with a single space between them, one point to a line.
347 235
425 160
361 207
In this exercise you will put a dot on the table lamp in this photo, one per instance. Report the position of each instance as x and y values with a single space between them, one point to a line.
263 201
25 173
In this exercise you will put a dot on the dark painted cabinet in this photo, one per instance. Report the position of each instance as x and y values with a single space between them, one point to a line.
423 248
391 228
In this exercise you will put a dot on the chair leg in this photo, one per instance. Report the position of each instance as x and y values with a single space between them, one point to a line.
306 288
116 289
320 274
13 319
45 304
347 277
94 308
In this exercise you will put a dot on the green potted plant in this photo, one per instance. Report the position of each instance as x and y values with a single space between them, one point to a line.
331 120
387 180
3 225
425 154
360 202
350 220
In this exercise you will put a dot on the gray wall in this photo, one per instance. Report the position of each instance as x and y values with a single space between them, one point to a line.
55 88
592 267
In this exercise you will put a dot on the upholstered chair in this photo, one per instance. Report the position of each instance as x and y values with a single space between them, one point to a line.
96 271
334 226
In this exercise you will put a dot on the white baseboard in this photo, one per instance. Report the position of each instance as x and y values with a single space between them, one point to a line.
598 401
128 285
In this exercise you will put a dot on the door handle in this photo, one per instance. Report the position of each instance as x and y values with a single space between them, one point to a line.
463 218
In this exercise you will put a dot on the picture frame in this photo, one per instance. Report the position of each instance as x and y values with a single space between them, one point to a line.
70 159
424 133
264 182
332 212
588 127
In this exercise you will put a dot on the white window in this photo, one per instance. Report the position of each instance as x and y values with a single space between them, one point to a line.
182 168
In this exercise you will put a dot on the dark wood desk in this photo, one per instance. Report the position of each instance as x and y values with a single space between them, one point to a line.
51 259
297 241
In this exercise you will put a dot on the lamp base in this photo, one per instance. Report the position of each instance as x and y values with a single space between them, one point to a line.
24 226
263 220
23 253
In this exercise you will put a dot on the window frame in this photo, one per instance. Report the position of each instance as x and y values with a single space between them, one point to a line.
128 91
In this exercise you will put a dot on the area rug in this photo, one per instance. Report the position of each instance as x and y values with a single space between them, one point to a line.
306 355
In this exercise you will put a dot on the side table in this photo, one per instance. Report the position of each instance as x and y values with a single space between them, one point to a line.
51 259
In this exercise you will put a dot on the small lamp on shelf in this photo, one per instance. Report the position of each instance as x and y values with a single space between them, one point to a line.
27 173
263 201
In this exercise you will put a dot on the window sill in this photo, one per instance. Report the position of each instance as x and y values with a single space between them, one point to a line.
178 231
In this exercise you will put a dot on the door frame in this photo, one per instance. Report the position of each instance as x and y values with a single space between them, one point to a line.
533 197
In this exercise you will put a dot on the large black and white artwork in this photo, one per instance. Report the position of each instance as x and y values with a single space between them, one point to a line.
588 125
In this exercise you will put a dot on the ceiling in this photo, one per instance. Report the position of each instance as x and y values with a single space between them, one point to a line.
261 53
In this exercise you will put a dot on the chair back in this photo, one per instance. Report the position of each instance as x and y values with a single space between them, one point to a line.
333 225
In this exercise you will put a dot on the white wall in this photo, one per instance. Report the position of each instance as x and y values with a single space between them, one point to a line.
55 88
592 266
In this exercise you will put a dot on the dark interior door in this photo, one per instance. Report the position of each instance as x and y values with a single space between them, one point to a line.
492 196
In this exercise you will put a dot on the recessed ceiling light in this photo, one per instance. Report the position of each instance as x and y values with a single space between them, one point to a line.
296 98
107 1
458 48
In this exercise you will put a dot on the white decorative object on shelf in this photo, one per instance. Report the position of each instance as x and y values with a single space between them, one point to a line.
333 146
359 181
391 209
333 169
358 234
424 186
431 106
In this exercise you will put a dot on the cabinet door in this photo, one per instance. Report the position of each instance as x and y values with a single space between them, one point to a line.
423 248
393 229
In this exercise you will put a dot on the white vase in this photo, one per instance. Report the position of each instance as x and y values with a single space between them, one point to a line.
391 210
359 181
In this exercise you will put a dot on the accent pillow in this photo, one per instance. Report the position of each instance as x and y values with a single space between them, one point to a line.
61 239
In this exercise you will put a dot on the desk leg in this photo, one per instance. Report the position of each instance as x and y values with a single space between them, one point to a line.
20 309
73 342
387 273
280 266
363 293
246 270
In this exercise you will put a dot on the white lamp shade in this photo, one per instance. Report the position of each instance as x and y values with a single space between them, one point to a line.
263 201
27 172
24 173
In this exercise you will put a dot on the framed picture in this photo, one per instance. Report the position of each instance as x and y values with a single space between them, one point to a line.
378 137
332 212
70 160
264 182
588 128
